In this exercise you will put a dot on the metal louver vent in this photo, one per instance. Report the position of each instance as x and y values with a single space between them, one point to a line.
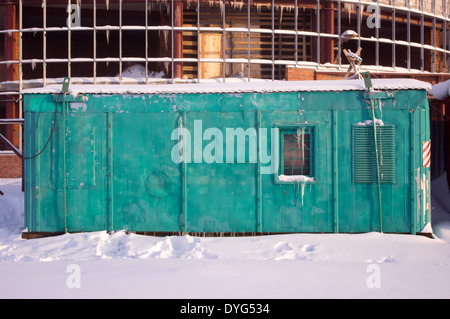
364 165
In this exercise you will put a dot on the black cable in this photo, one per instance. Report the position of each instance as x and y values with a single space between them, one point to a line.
51 133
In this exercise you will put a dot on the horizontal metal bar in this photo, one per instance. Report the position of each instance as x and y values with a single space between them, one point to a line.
11 121
397 8
9 93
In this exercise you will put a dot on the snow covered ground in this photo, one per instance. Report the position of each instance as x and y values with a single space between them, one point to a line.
120 265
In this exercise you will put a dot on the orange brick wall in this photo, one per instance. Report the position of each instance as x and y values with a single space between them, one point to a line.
299 74
10 166
325 76
305 74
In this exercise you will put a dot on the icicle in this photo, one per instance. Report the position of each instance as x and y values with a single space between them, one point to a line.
303 146
33 64
281 14
381 108
258 8
221 8
166 39
300 190
303 191
181 151
237 5
107 37
107 4
301 142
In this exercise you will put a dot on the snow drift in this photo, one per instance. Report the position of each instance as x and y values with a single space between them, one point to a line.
122 265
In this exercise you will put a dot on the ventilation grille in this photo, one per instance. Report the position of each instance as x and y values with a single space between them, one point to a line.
364 154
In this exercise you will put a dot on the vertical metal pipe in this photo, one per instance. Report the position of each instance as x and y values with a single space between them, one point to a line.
447 16
11 52
172 38
146 41
433 63
296 32
273 40
198 40
444 36
327 25
393 35
94 53
120 41
177 49
223 40
44 42
339 22
408 37
69 39
318 32
422 56
21 82
20 53
377 45
248 40
448 39
358 25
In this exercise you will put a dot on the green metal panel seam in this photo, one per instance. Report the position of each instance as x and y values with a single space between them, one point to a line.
412 172
37 181
184 171
258 176
110 173
64 105
335 172
27 170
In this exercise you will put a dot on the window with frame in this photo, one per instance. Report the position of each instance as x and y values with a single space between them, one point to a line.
297 151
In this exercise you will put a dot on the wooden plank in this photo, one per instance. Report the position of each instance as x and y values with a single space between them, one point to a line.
260 43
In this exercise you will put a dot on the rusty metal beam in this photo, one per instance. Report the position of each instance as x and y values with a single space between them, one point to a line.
178 39
11 146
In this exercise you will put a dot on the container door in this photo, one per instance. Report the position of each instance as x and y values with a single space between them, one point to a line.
85 180
145 181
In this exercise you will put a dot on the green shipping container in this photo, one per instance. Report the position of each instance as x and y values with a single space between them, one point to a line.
230 158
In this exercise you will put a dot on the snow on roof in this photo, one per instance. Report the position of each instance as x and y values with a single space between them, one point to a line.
236 87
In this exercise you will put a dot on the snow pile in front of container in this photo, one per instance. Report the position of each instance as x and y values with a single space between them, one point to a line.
122 245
